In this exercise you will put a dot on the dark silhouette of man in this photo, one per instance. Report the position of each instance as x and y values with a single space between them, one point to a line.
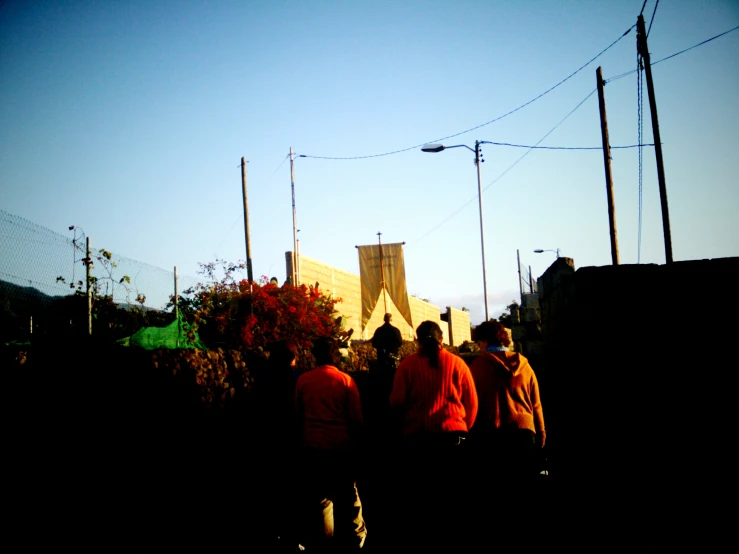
387 340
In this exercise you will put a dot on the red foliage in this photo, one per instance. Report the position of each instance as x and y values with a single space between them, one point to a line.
245 316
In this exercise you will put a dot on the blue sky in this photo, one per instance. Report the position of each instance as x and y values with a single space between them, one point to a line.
130 119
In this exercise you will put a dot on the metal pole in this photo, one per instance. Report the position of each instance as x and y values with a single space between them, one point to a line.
482 232
531 280
382 272
520 282
297 257
249 273
294 276
641 45
176 297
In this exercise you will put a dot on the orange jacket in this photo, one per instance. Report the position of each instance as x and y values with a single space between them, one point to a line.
328 409
434 400
508 392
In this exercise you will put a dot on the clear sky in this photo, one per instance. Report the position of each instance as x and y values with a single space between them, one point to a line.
129 120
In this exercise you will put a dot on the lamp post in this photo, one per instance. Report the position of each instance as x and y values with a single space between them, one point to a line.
539 251
434 148
297 257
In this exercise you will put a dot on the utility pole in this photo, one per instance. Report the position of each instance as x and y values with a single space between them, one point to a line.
249 273
607 164
382 272
294 276
643 50
478 160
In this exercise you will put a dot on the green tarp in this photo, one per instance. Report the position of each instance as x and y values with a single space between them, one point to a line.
173 335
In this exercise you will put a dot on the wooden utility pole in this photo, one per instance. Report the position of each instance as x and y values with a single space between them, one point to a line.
249 273
607 164
643 50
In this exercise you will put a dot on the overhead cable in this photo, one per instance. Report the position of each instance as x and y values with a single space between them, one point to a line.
563 147
672 55
482 124
463 206
652 20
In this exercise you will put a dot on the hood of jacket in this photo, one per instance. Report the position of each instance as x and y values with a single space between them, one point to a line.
512 362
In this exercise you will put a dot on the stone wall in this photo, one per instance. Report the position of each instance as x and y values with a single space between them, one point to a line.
347 286
632 383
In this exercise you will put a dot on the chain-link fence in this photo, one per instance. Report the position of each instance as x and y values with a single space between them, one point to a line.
528 282
39 266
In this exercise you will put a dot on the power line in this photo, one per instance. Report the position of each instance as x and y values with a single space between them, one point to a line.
542 139
441 223
651 20
640 131
696 46
564 147
672 55
482 124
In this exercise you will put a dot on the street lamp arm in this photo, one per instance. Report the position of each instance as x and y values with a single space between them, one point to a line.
435 148
462 146
540 251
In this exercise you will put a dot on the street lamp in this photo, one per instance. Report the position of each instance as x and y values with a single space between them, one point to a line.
434 148
539 251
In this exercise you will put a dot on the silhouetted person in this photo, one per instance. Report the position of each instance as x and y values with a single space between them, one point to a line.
510 424
273 430
435 401
329 416
387 340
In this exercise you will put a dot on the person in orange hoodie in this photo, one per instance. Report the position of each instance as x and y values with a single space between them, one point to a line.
510 421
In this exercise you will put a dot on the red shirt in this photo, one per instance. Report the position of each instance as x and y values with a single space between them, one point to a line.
434 399
328 408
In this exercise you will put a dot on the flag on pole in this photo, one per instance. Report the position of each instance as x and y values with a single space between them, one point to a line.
375 261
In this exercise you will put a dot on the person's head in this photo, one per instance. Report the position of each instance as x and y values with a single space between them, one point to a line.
491 333
387 318
430 336
326 351
282 354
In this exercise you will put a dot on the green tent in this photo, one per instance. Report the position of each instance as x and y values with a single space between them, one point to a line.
173 335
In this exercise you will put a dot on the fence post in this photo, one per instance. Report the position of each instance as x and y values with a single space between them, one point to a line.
176 297
88 265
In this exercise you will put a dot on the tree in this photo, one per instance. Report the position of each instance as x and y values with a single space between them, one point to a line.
505 318
233 313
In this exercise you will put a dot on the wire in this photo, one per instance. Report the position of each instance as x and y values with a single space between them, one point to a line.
562 147
642 7
482 124
672 55
541 139
640 131
696 46
650 21
441 223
